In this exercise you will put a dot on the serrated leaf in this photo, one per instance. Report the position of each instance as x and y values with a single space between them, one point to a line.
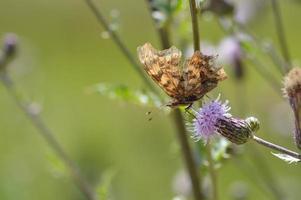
287 158
124 93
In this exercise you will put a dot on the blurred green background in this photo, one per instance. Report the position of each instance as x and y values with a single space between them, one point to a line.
62 53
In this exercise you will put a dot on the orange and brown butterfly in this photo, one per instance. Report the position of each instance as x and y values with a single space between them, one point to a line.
184 84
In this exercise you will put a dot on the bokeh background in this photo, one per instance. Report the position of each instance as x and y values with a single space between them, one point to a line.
63 51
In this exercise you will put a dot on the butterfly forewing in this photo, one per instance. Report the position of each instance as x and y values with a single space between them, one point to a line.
163 68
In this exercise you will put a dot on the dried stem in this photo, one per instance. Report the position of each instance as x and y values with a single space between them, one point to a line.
276 147
281 34
195 26
49 137
126 52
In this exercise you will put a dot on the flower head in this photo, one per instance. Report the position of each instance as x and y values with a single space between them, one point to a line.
213 118
204 125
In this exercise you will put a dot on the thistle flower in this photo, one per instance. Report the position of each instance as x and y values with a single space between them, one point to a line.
292 90
213 118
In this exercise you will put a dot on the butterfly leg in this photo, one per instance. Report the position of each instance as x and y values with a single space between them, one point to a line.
188 107
187 110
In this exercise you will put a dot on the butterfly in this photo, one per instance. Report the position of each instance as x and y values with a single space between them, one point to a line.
184 84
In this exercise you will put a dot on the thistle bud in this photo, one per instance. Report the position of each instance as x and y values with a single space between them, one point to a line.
236 131
292 90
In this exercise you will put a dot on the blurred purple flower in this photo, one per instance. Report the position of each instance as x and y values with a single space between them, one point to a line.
245 10
230 53
229 50
204 125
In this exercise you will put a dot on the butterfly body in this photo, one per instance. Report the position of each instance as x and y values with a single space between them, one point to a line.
184 85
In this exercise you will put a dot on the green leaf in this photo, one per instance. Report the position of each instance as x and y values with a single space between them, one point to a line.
219 150
249 46
56 165
105 184
124 93
176 5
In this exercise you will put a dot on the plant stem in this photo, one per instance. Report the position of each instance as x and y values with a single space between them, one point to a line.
126 52
49 137
212 172
266 173
276 147
196 44
179 122
281 34
195 26
187 154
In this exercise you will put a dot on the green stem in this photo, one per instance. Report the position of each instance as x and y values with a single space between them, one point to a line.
195 26
187 154
48 135
212 172
163 33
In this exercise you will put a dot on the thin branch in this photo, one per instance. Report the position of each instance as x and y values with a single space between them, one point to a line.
195 26
212 172
126 52
281 34
48 135
260 69
271 51
276 147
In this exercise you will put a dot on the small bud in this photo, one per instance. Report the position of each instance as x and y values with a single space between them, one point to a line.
236 131
253 124
9 50
10 44
292 90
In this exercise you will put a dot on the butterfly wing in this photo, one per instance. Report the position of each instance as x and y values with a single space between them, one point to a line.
163 68
200 76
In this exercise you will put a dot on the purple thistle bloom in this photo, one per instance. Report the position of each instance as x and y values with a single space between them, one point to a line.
204 125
